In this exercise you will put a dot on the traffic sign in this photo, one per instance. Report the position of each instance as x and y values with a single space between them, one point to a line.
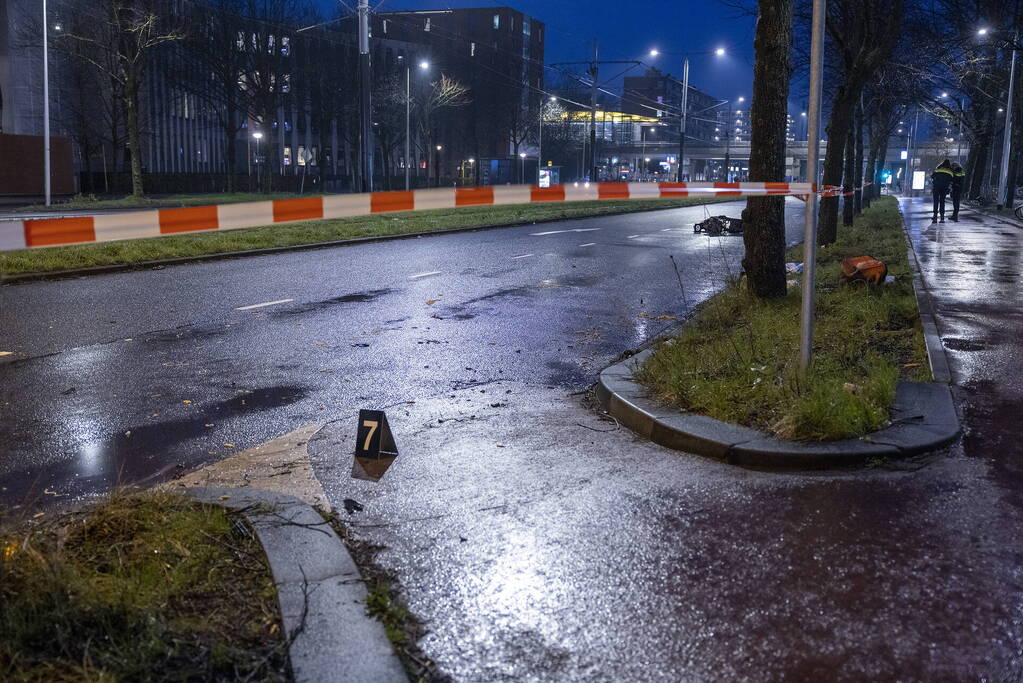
375 449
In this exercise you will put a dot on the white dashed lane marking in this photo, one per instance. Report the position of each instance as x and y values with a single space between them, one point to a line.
555 232
632 237
419 275
522 256
267 303
588 244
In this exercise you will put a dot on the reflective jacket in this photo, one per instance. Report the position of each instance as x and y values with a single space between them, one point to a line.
941 179
957 180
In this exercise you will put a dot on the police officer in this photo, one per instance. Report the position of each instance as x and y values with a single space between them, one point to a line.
958 177
941 182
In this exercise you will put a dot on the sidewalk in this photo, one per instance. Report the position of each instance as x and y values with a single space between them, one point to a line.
974 272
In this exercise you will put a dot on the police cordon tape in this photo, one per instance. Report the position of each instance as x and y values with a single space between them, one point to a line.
130 225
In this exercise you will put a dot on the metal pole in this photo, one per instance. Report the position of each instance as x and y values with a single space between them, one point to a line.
539 143
810 215
959 138
46 106
593 116
1003 176
366 127
408 124
728 144
910 160
685 103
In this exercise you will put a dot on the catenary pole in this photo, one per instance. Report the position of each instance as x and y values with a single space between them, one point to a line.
810 216
1003 175
366 126
46 105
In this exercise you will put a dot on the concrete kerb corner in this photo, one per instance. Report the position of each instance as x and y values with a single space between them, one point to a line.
924 417
319 588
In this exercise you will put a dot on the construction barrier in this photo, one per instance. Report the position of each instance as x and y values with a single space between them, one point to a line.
129 225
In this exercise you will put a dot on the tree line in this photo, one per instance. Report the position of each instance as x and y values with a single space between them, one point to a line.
886 63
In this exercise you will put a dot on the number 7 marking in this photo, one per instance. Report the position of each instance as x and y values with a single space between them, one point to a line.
372 424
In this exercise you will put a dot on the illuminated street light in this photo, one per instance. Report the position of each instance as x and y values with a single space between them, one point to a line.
982 32
654 53
720 52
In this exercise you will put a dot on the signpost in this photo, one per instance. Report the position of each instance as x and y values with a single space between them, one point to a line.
375 449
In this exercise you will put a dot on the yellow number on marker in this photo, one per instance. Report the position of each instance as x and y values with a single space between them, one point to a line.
372 424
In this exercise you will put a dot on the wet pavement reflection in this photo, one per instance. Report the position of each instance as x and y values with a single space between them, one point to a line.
538 542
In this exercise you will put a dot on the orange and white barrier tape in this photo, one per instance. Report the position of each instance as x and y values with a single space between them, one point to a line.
49 232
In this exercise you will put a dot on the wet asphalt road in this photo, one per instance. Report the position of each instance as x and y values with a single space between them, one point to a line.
537 542
138 375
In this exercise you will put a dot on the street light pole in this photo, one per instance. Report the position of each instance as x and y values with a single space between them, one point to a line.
728 144
810 211
366 129
408 124
685 106
46 106
1003 176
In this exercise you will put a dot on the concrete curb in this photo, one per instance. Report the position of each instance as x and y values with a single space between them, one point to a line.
352 241
925 305
923 419
320 591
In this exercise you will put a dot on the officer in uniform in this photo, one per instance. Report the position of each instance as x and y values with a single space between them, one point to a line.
941 182
958 178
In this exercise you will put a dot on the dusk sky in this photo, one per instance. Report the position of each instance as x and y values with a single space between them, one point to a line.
628 31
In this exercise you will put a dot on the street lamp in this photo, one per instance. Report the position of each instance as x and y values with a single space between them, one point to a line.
408 117
1003 176
720 52
258 136
46 107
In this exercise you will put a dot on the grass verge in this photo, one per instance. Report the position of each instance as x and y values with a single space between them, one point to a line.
56 259
81 202
737 360
144 586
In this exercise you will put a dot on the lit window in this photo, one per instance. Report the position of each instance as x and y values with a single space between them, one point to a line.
497 21
301 155
287 156
385 27
472 49
285 45
427 28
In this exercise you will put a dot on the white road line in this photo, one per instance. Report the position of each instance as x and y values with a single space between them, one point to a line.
588 244
632 237
555 232
522 256
419 275
268 303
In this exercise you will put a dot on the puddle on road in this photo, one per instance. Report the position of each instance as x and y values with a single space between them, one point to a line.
957 344
358 297
134 454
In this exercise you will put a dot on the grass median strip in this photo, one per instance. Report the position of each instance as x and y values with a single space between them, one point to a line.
143 586
737 360
91 203
56 259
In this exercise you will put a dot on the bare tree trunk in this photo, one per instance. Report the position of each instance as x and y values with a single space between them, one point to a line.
858 173
764 217
131 102
838 133
870 174
848 176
